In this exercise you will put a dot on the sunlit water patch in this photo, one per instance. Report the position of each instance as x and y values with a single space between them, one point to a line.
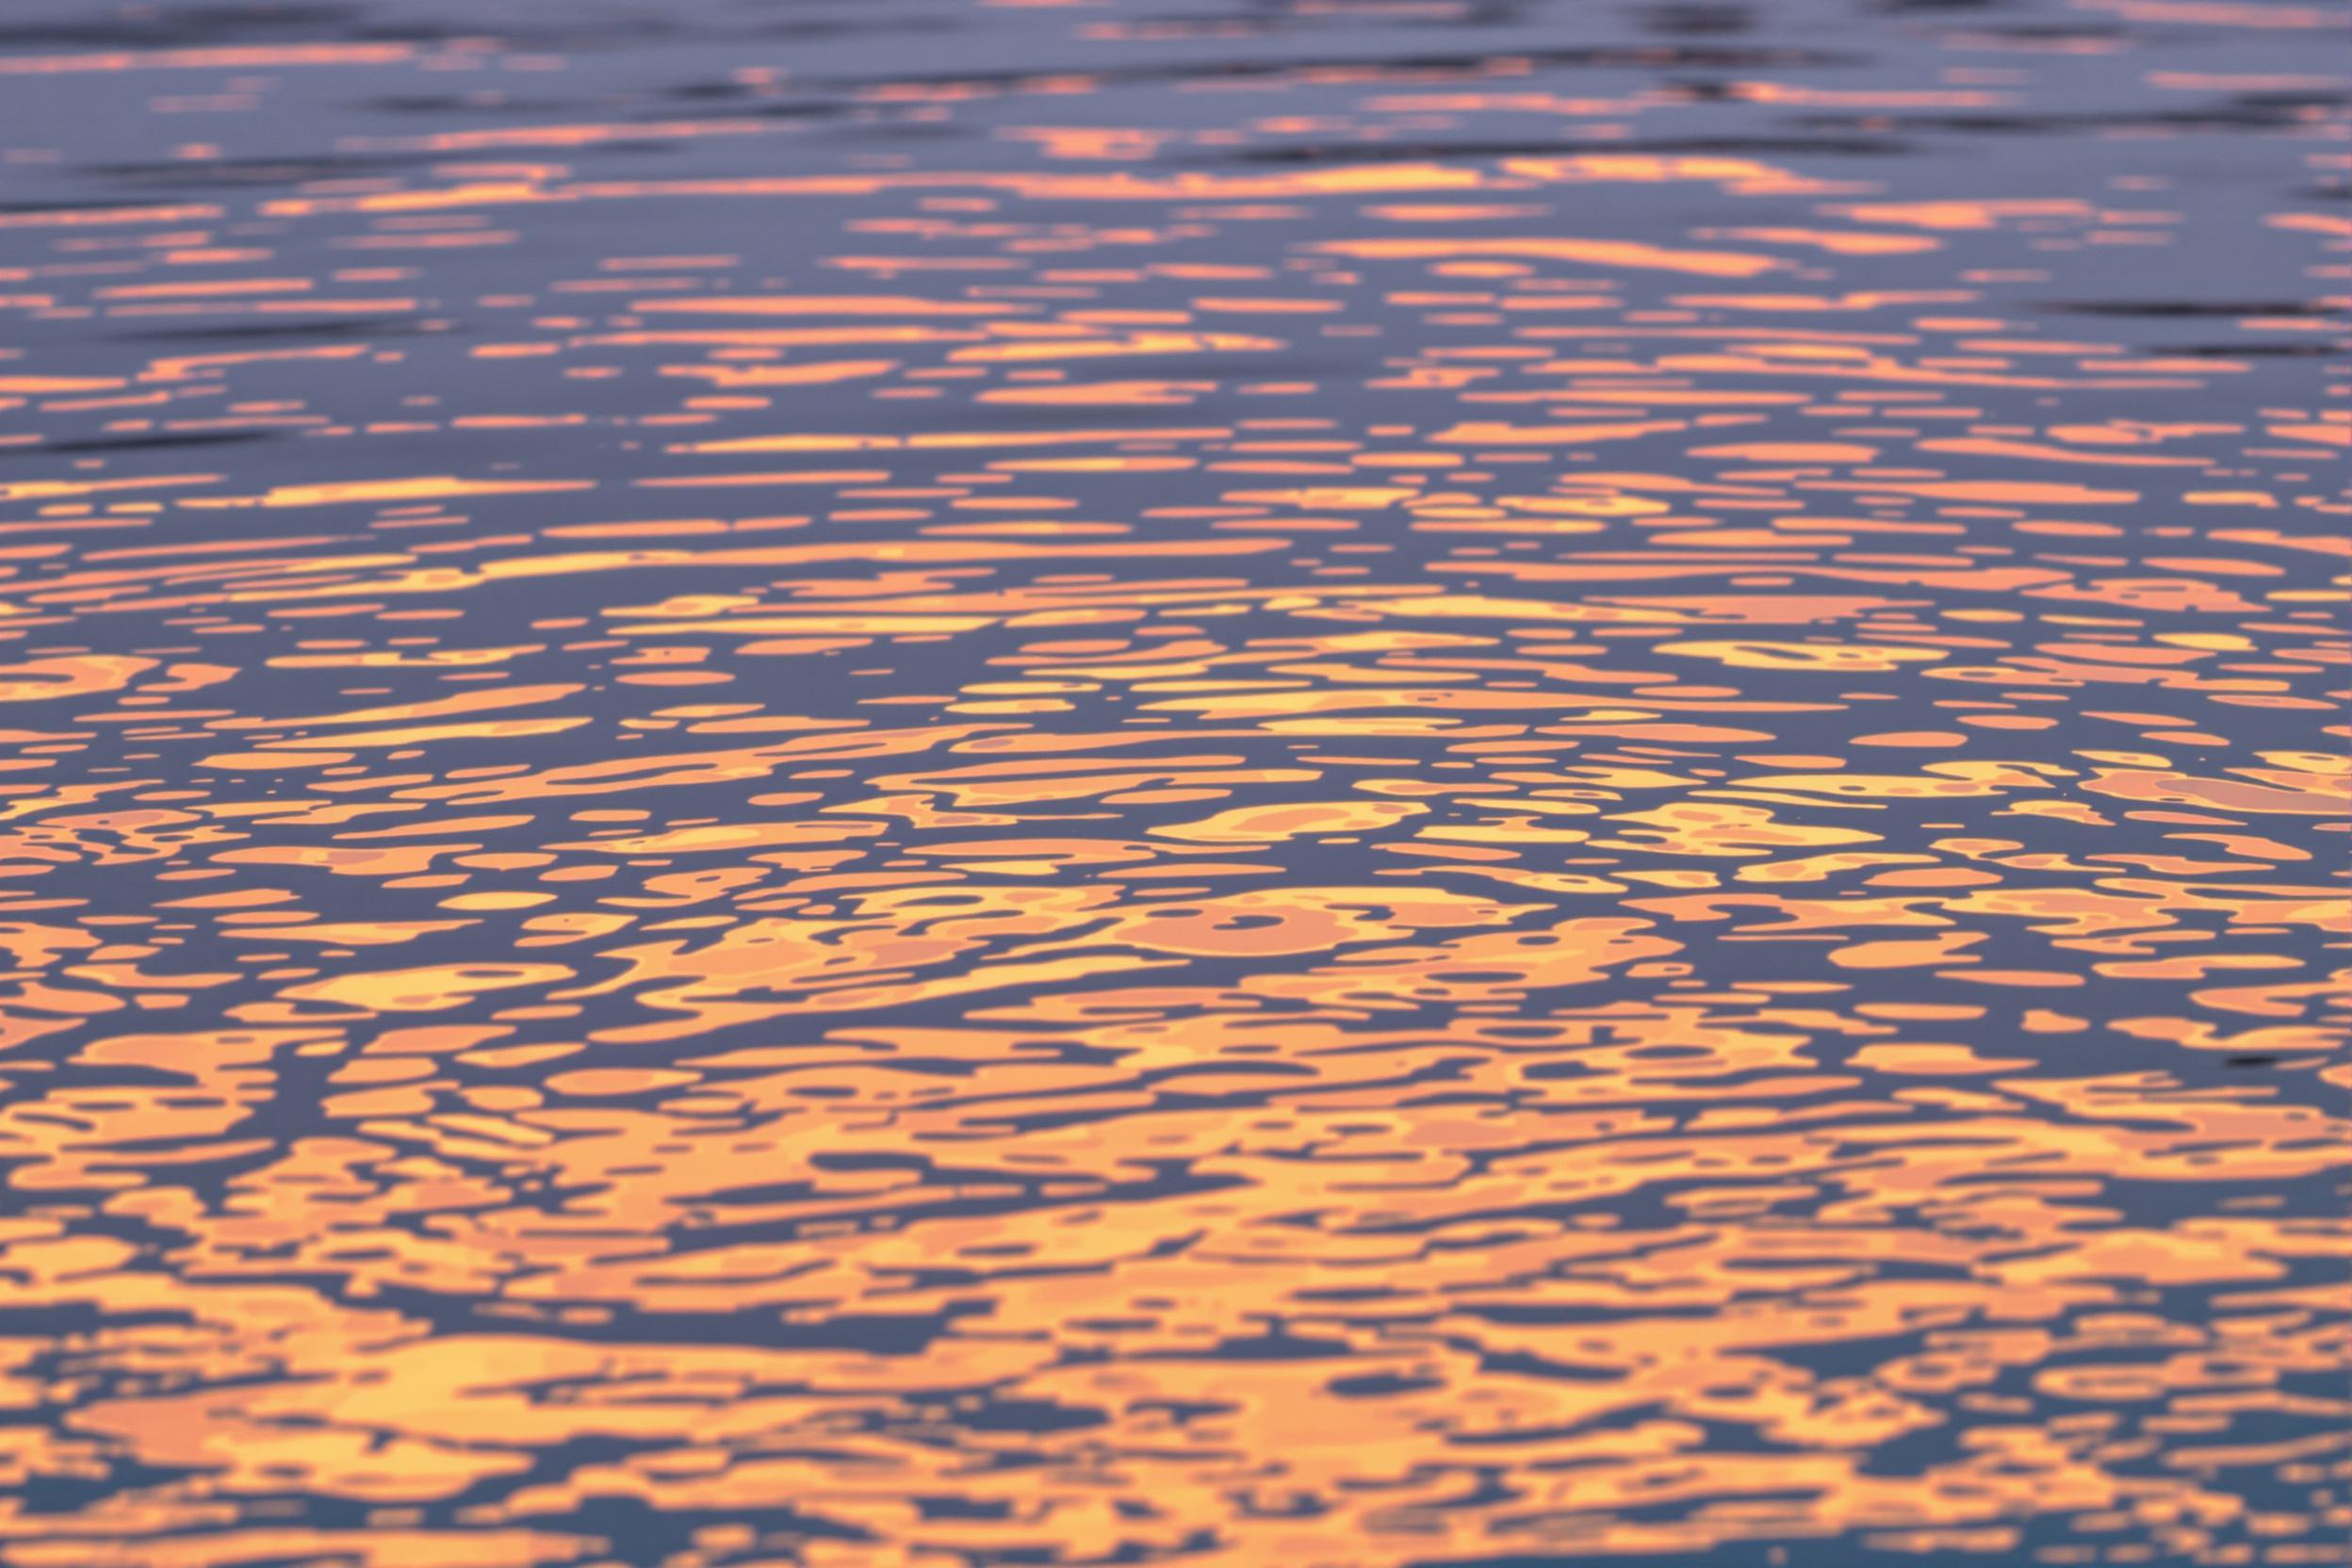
1337 784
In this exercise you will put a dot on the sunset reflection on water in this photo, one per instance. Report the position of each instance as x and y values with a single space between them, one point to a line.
1323 783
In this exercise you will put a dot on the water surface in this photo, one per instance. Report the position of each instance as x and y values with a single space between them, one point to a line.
1323 783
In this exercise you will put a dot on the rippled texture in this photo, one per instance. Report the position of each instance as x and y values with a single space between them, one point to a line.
1324 783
